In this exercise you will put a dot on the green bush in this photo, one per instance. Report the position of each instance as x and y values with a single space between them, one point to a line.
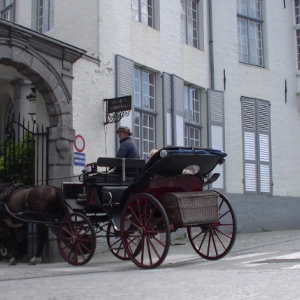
20 159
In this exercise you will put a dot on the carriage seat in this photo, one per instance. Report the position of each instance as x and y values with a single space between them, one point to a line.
112 194
131 166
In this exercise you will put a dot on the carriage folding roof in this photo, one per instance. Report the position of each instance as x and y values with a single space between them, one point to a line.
171 161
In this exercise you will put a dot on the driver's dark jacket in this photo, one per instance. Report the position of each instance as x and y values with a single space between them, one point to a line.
128 149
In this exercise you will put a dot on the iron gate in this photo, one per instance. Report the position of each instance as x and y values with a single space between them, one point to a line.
25 154
24 158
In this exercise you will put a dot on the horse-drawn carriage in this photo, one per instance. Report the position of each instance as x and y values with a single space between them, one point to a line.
137 209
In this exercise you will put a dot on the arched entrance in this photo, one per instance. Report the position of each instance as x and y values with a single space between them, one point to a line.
47 64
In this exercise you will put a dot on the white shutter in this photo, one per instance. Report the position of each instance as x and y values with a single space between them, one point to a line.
263 114
256 132
178 112
216 131
124 84
167 105
249 144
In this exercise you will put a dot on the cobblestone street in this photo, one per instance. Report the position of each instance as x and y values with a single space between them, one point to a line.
263 265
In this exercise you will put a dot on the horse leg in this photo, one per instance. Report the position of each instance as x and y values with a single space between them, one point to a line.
15 254
3 250
42 238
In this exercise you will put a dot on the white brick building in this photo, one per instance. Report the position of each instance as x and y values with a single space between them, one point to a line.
207 73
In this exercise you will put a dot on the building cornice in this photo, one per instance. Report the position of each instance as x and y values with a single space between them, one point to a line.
13 32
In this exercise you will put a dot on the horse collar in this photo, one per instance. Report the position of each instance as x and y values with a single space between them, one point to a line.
11 190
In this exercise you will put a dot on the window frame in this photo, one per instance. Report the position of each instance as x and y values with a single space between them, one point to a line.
10 113
184 24
137 14
143 111
297 11
49 24
250 20
297 30
8 8
189 122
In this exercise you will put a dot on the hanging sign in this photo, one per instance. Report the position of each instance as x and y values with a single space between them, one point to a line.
117 108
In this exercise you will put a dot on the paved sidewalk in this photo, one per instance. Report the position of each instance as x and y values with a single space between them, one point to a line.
104 261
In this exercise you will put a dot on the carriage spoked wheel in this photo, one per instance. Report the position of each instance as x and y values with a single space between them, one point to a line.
76 239
115 243
145 231
214 241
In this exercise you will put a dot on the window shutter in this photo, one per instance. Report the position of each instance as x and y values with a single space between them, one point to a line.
167 104
263 114
124 84
257 146
177 112
249 145
216 131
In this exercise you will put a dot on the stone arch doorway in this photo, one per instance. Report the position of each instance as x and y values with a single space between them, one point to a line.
47 64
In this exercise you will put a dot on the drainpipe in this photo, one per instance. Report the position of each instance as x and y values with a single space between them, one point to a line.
211 47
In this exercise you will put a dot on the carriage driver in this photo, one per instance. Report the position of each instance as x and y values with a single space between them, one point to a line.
128 148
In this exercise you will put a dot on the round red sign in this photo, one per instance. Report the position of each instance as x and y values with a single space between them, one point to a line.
79 143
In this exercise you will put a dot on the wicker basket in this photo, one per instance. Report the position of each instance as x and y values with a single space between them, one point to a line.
191 208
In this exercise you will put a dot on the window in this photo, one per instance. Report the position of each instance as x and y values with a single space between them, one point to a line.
256 146
6 106
141 84
7 10
189 22
144 111
143 11
298 46
192 117
249 24
10 113
297 11
45 15
297 22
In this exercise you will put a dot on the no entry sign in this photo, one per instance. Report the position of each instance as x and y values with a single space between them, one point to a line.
79 143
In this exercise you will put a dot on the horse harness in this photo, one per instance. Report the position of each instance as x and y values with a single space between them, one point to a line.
4 210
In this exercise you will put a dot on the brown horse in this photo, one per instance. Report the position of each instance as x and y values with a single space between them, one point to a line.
42 205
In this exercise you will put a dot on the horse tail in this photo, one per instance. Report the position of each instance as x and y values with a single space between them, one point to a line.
62 211
63 207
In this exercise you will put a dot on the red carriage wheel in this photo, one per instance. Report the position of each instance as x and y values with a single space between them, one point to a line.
145 231
214 241
76 239
115 243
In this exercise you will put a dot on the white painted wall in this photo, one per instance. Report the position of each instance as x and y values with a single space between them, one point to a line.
76 22
105 29
88 111
263 83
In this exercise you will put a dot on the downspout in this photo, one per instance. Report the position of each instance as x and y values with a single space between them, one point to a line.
211 47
